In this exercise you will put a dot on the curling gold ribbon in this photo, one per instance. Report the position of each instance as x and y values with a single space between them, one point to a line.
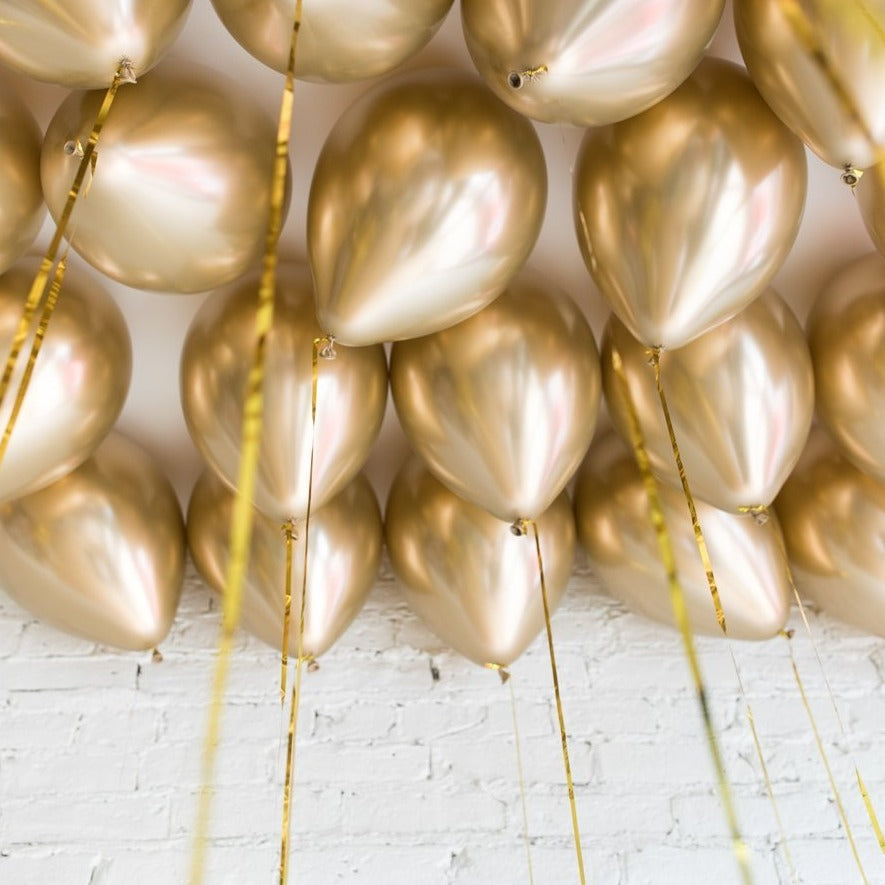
655 359
677 599
242 513
289 532
41 280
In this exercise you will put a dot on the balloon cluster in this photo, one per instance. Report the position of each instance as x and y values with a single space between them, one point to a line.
425 204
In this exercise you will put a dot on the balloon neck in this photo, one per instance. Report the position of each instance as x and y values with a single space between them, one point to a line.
501 670
653 354
759 513
125 73
517 79
520 527
326 349
74 148
851 176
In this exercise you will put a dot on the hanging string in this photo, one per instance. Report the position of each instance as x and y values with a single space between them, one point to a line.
242 515
289 532
680 610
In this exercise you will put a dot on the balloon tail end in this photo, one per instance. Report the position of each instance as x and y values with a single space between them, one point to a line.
851 176
125 72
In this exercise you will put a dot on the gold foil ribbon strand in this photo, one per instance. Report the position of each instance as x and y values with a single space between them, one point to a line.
242 513
289 532
677 598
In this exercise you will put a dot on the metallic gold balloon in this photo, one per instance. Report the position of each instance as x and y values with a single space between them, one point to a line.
502 406
338 40
615 526
100 553
180 197
741 398
78 386
466 575
21 196
691 207
80 43
351 395
344 555
820 64
586 62
427 197
846 334
871 199
833 517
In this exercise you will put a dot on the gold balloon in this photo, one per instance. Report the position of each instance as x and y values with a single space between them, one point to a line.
351 395
427 197
846 334
615 526
741 398
344 555
502 406
100 553
80 43
586 62
338 40
466 575
820 64
691 207
21 196
78 386
180 198
871 199
833 517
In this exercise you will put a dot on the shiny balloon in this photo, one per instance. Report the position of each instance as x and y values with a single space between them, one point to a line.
741 398
685 212
427 197
833 517
846 334
180 196
821 66
101 552
79 383
351 395
871 199
473 582
80 43
338 40
586 63
21 195
614 522
342 562
502 406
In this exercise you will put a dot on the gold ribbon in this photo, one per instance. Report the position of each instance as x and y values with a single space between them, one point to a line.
242 513
680 610
289 532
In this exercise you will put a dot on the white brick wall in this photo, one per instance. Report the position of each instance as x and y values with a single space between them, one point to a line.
403 779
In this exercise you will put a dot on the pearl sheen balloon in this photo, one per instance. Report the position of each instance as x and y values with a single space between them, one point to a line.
427 197
871 199
602 61
691 207
181 193
466 575
338 40
79 384
100 553
80 43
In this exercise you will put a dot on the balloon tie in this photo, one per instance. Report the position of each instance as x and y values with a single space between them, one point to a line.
680 611
327 348
517 79
242 514
289 533
851 176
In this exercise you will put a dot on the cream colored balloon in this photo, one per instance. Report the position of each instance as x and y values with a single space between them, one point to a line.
80 43
846 334
351 395
338 40
342 562
691 207
615 526
871 199
833 517
587 62
427 197
820 64
180 197
78 386
741 399
101 552
21 196
502 406
466 575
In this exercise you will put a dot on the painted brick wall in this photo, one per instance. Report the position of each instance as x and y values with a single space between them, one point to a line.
403 778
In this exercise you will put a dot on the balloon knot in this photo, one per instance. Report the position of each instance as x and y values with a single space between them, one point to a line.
125 73
74 148
851 176
759 512
312 664
156 656
520 527
517 79
327 349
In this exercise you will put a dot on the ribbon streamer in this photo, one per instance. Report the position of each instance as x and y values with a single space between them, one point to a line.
289 532
242 514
